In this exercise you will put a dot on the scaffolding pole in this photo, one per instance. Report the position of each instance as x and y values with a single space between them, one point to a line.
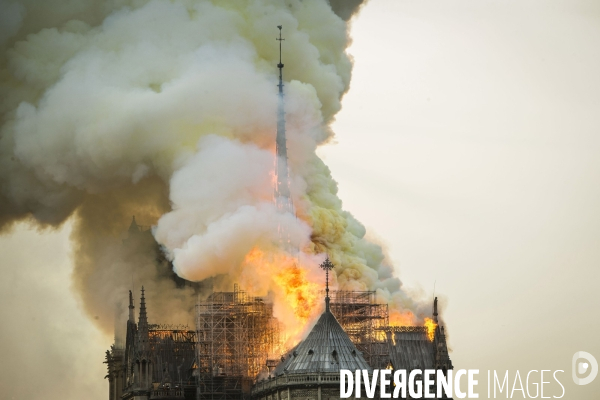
236 334
363 319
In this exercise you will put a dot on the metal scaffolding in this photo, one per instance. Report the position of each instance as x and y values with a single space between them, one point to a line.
364 320
236 334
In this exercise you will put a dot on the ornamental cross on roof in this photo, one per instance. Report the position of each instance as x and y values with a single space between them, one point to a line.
327 265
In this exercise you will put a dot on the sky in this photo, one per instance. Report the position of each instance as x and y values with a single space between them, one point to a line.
467 144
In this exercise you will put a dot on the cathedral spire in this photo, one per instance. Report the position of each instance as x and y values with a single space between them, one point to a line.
435 311
143 321
283 199
282 188
327 266
131 307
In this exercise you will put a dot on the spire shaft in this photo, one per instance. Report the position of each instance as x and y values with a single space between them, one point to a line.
282 196
282 190
326 290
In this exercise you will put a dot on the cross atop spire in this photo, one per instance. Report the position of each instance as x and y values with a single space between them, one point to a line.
327 266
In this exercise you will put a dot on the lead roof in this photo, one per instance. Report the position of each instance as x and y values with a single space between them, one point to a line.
327 348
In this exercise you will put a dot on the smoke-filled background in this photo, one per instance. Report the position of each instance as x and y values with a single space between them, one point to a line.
166 110
468 142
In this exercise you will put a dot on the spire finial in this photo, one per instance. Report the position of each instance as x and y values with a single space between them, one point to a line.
327 265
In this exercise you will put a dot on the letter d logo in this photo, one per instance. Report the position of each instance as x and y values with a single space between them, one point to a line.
583 366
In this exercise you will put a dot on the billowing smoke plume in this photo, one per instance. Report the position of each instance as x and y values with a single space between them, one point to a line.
167 110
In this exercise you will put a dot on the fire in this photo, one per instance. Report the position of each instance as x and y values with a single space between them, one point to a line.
297 297
402 318
300 294
430 325
407 318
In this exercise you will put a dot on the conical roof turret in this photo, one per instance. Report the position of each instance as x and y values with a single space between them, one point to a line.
327 348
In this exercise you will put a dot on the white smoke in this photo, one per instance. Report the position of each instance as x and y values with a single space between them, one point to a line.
166 110
222 208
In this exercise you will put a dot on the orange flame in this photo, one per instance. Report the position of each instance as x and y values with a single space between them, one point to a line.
407 318
300 294
291 287
402 318
430 325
